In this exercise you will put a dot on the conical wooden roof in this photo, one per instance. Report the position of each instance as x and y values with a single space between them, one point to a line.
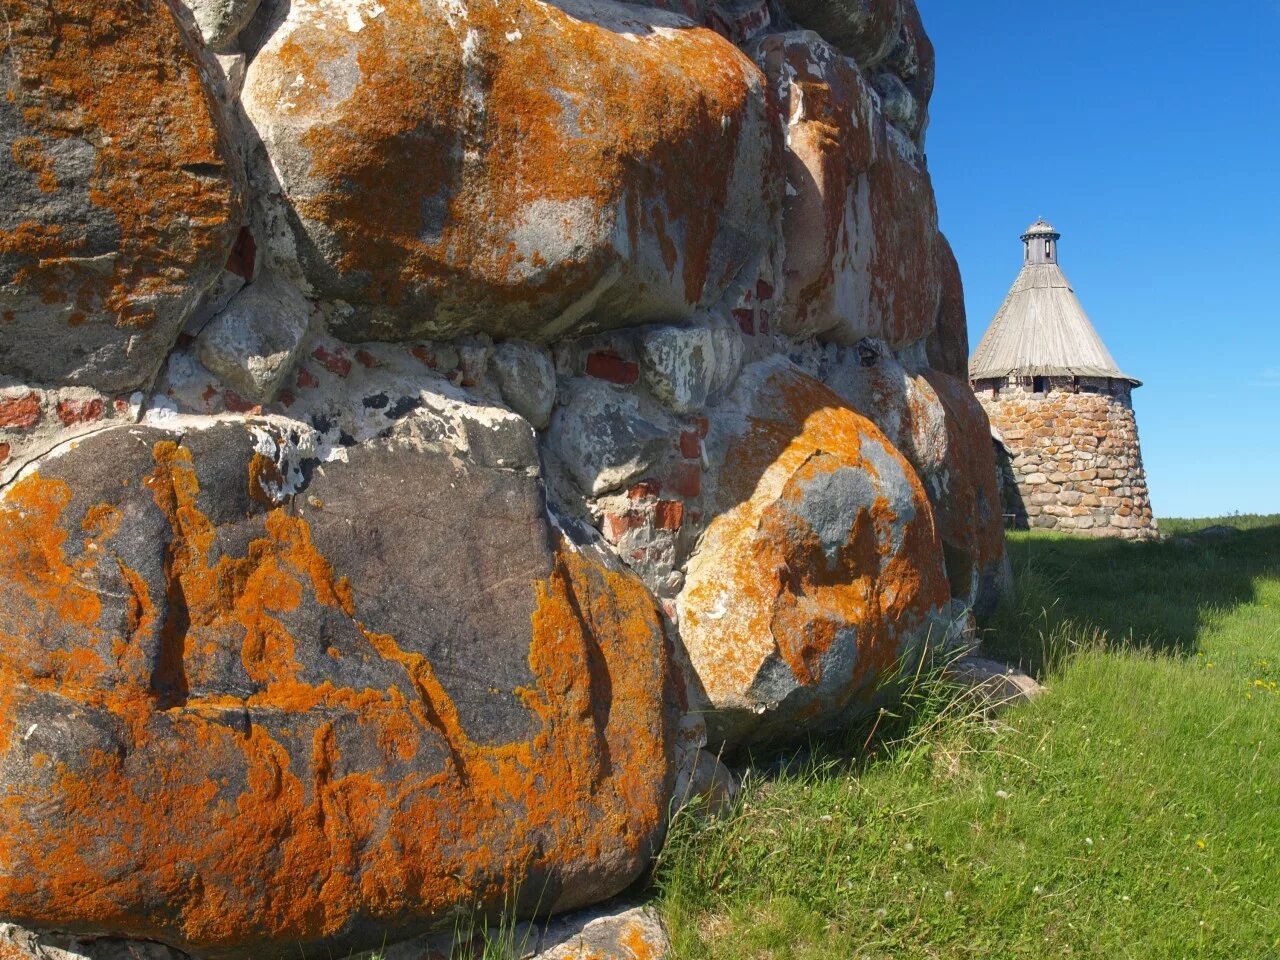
1041 330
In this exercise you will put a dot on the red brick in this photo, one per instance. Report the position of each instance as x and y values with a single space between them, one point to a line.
286 398
703 425
306 379
243 253
669 514
209 393
746 318
335 361
425 355
611 367
686 479
690 444
617 524
120 405
4 452
764 290
366 359
20 412
238 404
645 488
79 411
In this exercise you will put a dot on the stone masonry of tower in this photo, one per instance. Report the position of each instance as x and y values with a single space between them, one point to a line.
1070 460
1060 408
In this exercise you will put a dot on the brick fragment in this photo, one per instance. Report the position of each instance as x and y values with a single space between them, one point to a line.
335 361
669 514
79 411
611 367
20 412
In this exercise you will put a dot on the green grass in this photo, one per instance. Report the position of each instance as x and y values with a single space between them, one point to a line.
1131 812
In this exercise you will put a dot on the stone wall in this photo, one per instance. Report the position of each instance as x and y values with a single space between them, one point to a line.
427 425
1070 459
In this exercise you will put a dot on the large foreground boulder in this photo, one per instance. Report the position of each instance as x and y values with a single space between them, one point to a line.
821 569
119 193
252 701
513 167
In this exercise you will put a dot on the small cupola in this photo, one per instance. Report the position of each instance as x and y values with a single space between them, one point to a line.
1041 243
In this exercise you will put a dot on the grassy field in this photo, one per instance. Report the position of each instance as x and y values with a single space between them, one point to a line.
1131 812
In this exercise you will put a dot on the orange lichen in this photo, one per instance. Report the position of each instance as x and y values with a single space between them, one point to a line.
605 124
124 77
228 820
765 583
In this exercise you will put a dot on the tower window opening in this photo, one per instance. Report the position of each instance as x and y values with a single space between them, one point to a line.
1038 385
1048 248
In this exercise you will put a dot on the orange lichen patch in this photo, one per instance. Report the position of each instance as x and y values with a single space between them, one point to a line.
28 153
125 78
573 126
772 582
303 808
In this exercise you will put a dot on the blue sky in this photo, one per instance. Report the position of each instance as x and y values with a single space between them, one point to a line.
1149 134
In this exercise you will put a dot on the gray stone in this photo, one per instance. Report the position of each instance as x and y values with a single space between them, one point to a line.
527 378
18 943
996 685
866 30
679 365
606 436
220 21
253 343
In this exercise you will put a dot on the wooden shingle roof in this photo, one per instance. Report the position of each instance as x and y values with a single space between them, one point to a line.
1041 330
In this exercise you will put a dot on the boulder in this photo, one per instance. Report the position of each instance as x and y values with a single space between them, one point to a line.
860 221
967 501
255 701
947 345
866 30
820 569
119 195
512 167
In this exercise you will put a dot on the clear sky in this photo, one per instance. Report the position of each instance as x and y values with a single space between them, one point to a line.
1149 134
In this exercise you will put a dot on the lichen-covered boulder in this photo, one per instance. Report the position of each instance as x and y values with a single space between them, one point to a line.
119 193
513 167
252 701
967 499
860 220
820 569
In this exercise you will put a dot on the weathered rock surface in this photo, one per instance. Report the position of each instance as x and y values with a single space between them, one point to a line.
820 569
565 392
239 722
860 222
119 195
516 168
252 344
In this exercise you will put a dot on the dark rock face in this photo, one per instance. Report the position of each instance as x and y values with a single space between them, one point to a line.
119 195
229 726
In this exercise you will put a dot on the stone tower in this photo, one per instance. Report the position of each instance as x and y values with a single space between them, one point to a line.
1060 408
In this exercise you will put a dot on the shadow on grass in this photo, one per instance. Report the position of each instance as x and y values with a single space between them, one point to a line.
1155 596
